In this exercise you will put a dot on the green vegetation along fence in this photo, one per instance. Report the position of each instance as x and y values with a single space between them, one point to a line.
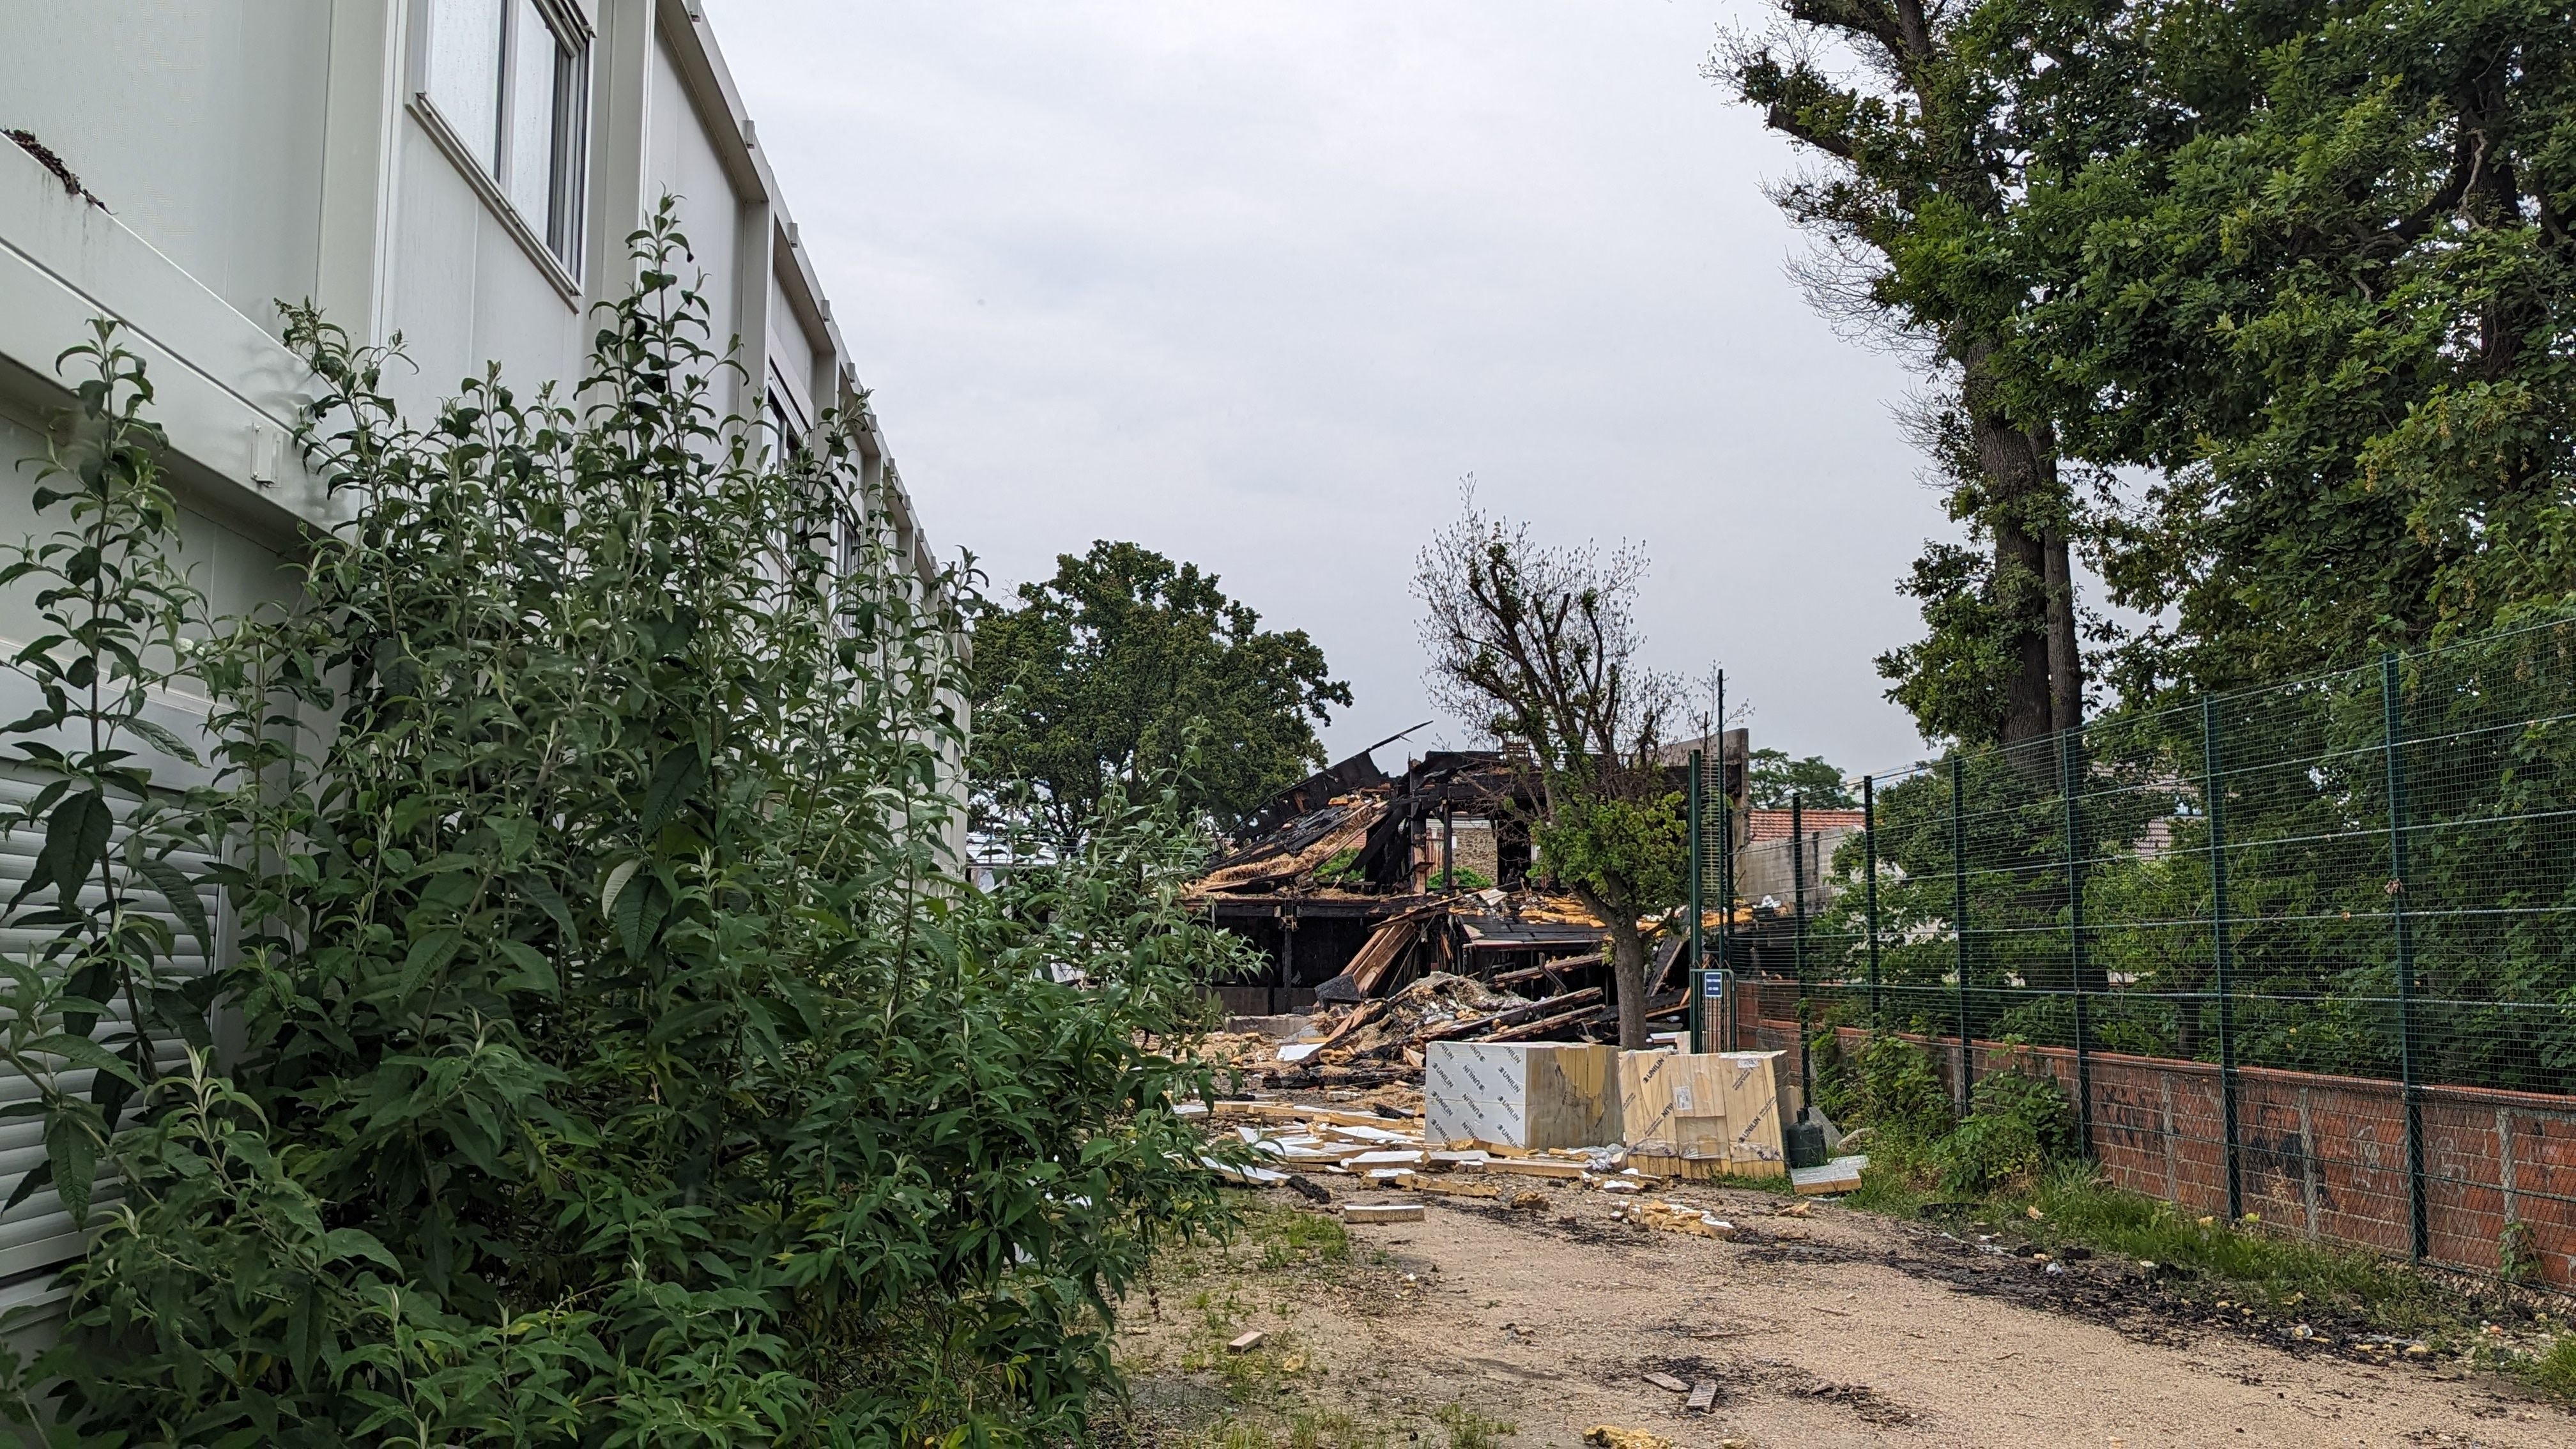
2305 952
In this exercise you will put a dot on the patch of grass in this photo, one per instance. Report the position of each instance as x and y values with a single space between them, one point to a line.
1289 1237
2244 1264
1470 1429
2555 1371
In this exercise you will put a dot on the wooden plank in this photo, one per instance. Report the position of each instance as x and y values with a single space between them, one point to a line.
1667 1383
1246 1343
1374 957
1542 1028
1382 1212
1535 1167
1840 1175
1414 1182
1508 1015
1353 1022
1703 1397
1292 1112
1660 969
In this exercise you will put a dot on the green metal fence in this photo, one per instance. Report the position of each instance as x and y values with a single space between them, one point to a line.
2338 915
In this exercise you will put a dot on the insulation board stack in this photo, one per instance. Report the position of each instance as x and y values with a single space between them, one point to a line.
1714 1114
1533 1095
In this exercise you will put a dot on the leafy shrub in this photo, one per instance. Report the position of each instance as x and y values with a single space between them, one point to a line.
1889 1085
2018 1126
622 1058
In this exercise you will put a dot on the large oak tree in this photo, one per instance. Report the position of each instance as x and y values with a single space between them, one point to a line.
1119 667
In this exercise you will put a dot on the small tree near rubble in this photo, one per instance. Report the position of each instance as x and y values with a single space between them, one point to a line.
1538 646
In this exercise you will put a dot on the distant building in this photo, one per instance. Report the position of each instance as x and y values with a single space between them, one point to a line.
1771 860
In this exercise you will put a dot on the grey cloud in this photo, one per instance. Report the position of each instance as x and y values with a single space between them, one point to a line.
1255 283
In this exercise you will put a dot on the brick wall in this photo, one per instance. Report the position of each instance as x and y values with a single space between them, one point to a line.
2319 1157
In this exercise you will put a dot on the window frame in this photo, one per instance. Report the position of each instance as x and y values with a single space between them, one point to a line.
558 255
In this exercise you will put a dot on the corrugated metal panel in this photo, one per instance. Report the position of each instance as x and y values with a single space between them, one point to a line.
37 1236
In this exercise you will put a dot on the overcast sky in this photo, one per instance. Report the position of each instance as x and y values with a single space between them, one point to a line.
1255 284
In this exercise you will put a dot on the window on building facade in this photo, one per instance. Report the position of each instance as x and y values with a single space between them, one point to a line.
786 435
507 79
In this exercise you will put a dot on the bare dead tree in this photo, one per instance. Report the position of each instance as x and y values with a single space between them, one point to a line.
1537 645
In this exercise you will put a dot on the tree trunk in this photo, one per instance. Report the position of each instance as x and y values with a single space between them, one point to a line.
1628 965
1627 969
2033 580
2065 652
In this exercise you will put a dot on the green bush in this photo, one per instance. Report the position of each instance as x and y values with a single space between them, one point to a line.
622 1058
2018 1127
1889 1085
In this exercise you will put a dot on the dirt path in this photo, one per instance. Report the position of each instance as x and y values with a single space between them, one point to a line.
1837 1329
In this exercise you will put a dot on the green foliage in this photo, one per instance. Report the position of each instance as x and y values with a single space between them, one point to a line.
2018 1125
2332 308
1889 1085
1632 849
2555 1371
2312 934
1096 677
622 1060
1773 778
2290 284
1342 867
115 612
2237 1262
1463 878
1921 150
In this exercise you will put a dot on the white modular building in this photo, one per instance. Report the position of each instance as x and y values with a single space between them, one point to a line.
464 173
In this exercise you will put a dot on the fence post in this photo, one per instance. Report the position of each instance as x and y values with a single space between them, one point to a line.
1798 935
2214 793
1869 884
2069 746
1698 916
1959 923
1726 872
2392 720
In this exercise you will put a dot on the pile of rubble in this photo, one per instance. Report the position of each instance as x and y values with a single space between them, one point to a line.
1608 1120
1441 1007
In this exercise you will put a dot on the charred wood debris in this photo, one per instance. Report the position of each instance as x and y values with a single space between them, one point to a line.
1394 912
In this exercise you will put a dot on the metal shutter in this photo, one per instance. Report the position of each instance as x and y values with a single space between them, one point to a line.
37 1236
